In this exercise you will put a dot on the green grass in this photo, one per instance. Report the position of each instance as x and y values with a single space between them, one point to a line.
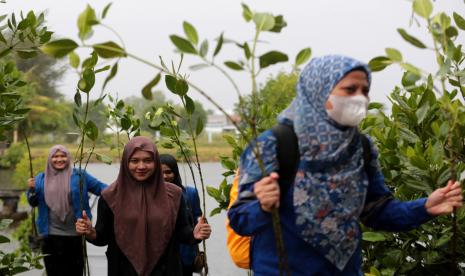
208 152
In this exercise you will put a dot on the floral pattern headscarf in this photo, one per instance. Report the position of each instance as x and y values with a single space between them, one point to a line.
330 184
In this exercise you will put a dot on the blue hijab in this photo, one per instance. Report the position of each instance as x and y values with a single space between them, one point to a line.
330 184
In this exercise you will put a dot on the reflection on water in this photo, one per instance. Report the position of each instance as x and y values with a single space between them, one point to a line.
218 258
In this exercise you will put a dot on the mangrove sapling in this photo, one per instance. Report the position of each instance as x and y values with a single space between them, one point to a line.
87 129
177 86
164 119
122 119
26 35
421 147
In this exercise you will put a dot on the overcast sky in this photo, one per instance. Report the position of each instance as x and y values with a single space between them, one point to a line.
358 28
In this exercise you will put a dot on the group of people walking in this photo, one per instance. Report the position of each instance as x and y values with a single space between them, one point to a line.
151 222
141 217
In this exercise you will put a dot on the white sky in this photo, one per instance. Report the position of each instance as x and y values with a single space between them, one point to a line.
358 28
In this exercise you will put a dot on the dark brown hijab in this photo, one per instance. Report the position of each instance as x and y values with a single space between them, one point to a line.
144 212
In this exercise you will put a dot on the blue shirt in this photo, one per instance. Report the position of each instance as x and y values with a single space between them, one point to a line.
191 198
91 184
248 219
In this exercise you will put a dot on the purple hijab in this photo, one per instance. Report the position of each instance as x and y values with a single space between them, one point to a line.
57 184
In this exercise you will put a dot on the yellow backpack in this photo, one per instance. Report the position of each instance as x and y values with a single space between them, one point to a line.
238 246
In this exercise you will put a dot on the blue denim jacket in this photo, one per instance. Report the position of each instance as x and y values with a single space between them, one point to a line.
37 198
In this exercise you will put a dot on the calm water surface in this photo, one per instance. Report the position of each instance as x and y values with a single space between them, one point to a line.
218 258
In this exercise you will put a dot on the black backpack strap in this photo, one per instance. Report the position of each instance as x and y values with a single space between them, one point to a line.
287 155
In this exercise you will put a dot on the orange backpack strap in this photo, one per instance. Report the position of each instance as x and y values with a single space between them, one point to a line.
238 246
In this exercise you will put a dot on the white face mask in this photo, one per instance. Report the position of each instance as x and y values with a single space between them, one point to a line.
348 110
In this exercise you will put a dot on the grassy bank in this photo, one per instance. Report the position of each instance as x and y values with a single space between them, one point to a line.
208 151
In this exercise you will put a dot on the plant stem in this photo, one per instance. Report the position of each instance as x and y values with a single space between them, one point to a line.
81 186
211 63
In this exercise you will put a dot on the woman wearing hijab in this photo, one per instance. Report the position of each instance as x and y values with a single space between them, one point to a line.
141 218
170 170
56 192
320 212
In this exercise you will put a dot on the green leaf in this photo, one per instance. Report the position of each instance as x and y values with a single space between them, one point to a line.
77 122
213 192
303 56
85 22
203 48
2 38
271 58
87 81
119 104
191 32
373 236
423 8
103 158
246 12
4 239
228 164
410 39
374 271
103 69
459 21
91 61
247 52
374 105
409 79
215 211
409 67
147 90
45 37
59 48
199 66
394 54
183 44
190 106
181 87
379 63
264 21
91 131
105 10
279 24
199 126
113 71
219 44
125 123
77 99
422 112
74 60
5 52
233 65
23 24
170 82
452 32
109 49
25 54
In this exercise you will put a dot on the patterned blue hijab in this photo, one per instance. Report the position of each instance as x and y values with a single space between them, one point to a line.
330 184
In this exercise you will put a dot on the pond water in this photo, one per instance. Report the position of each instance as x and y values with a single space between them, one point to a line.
218 257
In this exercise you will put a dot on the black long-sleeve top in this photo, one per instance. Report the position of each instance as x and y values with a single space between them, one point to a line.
119 265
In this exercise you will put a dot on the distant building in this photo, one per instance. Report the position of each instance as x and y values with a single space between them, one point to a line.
219 123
